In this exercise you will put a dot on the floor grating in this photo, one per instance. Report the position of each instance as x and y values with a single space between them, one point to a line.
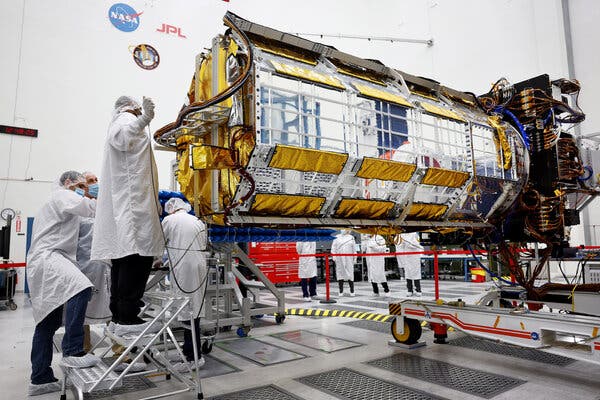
130 384
258 351
511 351
316 341
260 393
383 327
478 383
347 384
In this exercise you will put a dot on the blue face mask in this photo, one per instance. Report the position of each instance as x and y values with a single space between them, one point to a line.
80 191
93 190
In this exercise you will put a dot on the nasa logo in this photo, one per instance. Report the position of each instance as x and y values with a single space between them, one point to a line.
535 336
146 56
124 17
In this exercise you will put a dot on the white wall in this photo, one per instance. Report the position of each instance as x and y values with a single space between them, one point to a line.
585 30
73 64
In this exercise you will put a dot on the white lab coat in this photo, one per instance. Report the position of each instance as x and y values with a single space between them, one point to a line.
344 265
307 266
98 272
376 264
52 273
184 231
411 263
127 219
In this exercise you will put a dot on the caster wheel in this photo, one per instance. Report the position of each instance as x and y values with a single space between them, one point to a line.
207 347
168 377
12 305
412 331
279 318
242 332
63 397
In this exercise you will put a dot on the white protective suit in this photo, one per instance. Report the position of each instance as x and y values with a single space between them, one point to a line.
344 265
307 266
184 231
410 262
127 219
52 273
98 272
376 264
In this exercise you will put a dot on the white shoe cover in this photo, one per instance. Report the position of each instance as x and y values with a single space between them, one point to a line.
36 390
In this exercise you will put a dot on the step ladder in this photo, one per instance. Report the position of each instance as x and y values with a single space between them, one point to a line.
164 309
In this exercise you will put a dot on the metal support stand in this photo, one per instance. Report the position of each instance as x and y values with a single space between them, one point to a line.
327 300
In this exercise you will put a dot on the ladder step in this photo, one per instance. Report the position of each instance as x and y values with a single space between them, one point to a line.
126 341
85 378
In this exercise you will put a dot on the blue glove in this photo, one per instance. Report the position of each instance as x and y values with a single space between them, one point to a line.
93 190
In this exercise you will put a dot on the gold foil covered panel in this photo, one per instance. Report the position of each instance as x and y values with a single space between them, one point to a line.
442 112
379 94
364 209
211 157
301 159
426 211
444 177
286 205
385 170
307 74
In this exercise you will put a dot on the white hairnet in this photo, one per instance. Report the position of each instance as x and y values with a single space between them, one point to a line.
70 178
175 203
125 103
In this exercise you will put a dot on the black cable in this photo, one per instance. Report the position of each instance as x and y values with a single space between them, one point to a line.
562 271
229 91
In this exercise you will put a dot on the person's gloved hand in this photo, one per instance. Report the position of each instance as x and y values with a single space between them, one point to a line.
148 107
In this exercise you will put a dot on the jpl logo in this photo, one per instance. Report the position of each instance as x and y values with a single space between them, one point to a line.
170 29
124 17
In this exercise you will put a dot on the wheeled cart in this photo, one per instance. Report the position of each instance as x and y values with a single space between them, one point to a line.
8 283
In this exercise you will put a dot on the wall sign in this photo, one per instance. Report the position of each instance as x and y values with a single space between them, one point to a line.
14 130
124 17
171 30
145 56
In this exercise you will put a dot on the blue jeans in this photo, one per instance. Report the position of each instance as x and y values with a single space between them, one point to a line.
309 286
72 343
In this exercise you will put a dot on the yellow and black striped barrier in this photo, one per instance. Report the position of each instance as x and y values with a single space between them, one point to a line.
315 312
369 316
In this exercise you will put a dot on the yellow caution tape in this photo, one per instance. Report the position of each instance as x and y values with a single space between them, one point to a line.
339 313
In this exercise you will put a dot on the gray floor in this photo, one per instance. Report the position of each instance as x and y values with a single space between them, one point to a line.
370 368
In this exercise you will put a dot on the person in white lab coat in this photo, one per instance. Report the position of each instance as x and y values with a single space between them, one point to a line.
186 238
410 262
127 227
344 265
376 264
307 270
98 272
55 282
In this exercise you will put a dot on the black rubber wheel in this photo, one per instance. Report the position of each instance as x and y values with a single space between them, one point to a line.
412 331
207 347
279 318
63 397
12 305
168 377
200 396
